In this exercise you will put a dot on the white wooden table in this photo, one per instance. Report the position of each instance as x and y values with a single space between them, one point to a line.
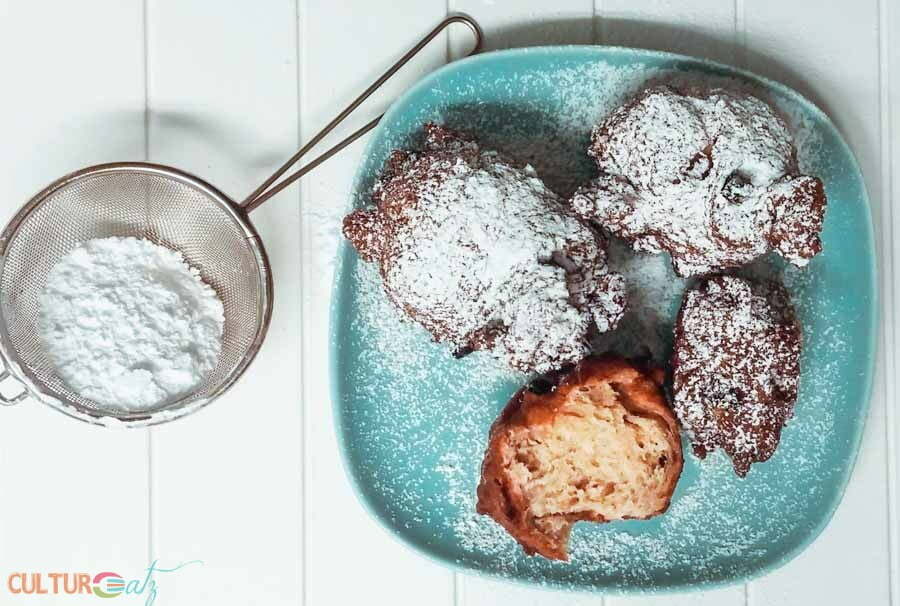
253 485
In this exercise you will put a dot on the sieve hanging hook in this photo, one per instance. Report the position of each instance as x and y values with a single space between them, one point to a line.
269 187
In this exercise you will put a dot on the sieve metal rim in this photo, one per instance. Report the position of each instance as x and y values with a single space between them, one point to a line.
16 368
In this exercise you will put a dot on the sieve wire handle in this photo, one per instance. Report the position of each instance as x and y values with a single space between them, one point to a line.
267 190
6 400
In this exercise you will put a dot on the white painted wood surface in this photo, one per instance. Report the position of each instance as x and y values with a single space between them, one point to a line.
253 485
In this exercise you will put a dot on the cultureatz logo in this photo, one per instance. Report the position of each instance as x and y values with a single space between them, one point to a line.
101 584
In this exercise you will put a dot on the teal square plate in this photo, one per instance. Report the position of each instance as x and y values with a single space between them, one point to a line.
413 421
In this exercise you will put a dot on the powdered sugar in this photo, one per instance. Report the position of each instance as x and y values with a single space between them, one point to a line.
708 175
736 367
484 256
128 324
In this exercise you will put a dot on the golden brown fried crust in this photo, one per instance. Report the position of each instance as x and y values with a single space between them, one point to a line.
641 394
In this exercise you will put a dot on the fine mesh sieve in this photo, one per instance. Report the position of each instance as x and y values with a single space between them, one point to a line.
157 203
168 207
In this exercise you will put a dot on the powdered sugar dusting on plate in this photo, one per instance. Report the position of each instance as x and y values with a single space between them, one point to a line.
420 420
